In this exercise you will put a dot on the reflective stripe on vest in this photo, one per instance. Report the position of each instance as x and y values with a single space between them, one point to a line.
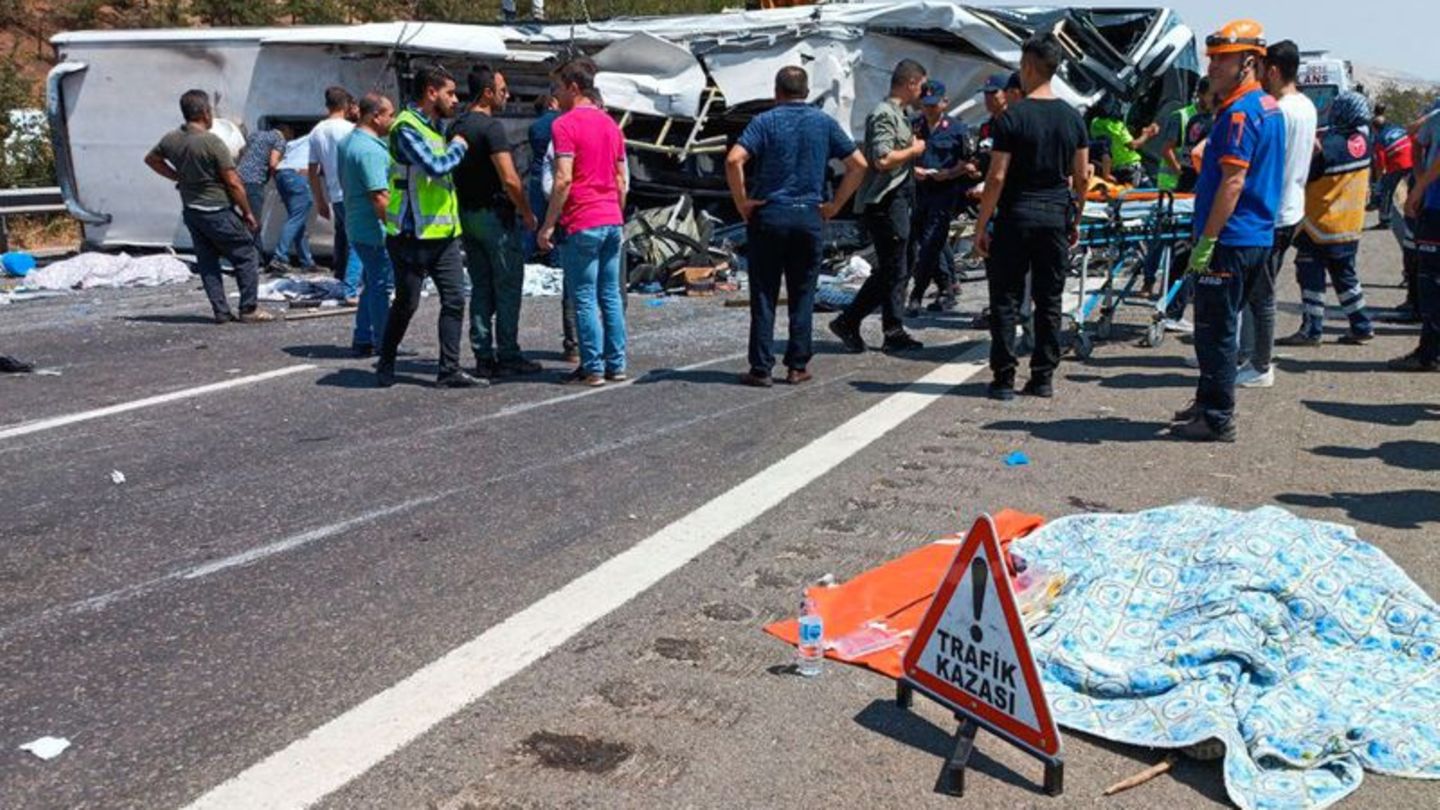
430 202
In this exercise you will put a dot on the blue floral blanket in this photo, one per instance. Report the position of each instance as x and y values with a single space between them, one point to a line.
1303 649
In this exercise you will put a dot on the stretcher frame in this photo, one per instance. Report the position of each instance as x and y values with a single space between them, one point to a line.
1116 251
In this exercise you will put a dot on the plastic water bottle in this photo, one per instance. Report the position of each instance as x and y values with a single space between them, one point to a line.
810 650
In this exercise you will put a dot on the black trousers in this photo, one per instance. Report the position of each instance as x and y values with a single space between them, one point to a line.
1042 253
785 243
888 222
414 259
220 235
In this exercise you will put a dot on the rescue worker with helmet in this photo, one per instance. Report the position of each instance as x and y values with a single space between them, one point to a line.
1236 198
422 225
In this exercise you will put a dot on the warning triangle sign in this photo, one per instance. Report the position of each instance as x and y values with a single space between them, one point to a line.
971 654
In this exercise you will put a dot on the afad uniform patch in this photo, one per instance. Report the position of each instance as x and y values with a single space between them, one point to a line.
1357 145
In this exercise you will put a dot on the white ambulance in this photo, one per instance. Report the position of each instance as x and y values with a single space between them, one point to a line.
1323 77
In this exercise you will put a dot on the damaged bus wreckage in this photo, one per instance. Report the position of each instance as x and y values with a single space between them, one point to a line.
681 87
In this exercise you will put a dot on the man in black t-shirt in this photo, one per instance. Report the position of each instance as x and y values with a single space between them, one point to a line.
1037 175
493 206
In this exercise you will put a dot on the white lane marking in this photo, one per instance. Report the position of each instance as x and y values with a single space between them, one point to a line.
246 557
326 759
125 594
25 428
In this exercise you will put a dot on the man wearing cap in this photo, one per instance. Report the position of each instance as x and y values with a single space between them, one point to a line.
1237 197
942 175
884 201
997 91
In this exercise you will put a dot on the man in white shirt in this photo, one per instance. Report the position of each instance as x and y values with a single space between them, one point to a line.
325 141
1257 327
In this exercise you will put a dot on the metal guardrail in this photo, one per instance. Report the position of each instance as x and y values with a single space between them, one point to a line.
22 201
17 201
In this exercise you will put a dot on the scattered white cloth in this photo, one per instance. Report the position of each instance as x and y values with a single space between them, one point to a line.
302 289
855 271
90 270
117 477
47 747
541 280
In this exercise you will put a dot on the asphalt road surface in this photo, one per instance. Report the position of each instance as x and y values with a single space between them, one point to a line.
308 589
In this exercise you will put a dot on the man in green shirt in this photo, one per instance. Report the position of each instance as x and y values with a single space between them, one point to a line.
202 168
1125 148
884 202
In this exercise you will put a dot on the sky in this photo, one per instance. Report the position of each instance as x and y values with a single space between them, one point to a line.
1400 35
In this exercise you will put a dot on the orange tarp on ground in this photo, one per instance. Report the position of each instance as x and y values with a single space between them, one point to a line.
898 593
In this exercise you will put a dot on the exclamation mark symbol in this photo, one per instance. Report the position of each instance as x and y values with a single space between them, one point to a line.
978 572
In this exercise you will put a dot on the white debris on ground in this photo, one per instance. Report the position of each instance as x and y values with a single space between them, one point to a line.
541 280
91 270
835 292
47 748
303 288
117 477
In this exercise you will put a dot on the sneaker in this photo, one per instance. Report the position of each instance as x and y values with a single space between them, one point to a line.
1036 387
616 376
756 379
1248 377
384 375
517 368
585 378
1199 430
256 316
1179 325
901 342
1188 413
1003 391
1298 339
1356 338
849 336
1412 362
796 376
912 309
278 268
459 379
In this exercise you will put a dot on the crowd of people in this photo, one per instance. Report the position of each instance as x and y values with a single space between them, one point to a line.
413 197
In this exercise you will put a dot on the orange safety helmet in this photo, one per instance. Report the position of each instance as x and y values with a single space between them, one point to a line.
1237 36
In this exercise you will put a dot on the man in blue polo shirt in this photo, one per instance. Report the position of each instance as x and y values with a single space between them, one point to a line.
791 146
1236 200
944 172
363 164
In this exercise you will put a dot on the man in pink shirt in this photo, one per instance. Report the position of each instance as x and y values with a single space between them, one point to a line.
587 203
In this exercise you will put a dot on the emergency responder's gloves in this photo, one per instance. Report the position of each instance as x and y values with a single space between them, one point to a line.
1202 255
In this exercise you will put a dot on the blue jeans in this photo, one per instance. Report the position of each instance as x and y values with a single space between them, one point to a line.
786 244
539 205
591 259
378 279
1219 295
1311 264
295 194
255 194
345 256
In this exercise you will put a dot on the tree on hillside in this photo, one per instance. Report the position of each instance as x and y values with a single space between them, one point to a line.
1404 104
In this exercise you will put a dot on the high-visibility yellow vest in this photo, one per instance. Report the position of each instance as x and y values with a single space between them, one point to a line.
429 202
